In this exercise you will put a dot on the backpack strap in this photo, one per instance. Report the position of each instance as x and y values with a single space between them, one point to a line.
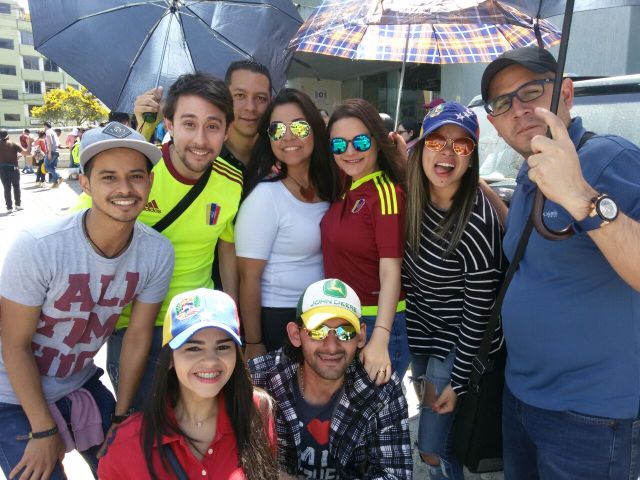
184 203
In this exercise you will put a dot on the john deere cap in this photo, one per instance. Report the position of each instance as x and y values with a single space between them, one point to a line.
327 299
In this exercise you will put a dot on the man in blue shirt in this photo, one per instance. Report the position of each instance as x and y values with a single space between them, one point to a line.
571 316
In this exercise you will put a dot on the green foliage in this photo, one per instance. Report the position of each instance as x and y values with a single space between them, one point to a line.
70 106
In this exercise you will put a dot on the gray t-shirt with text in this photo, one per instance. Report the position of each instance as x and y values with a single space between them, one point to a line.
81 294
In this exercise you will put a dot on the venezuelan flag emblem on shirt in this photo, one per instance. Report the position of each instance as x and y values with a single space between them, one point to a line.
213 212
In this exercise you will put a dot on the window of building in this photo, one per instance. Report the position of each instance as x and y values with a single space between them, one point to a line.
5 8
30 108
77 87
30 63
50 86
11 117
7 70
6 43
49 66
26 37
31 86
9 94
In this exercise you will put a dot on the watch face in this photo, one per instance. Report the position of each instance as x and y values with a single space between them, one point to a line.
607 209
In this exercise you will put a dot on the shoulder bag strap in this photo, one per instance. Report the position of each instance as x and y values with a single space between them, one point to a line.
175 463
480 362
184 203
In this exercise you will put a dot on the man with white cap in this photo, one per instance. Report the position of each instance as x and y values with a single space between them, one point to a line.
332 420
57 310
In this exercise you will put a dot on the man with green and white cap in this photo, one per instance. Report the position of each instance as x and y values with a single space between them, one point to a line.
332 420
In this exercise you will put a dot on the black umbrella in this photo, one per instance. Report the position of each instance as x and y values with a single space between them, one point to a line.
121 48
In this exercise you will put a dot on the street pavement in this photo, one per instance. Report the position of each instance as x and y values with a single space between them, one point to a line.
41 204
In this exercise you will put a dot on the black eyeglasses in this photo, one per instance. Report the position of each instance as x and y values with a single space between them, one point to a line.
361 143
526 93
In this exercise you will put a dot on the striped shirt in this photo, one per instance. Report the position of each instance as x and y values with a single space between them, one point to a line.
449 300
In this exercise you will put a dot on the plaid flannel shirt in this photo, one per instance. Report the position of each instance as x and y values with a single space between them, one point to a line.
369 433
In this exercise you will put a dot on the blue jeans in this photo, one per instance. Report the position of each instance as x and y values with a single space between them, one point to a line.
50 166
435 430
114 347
398 343
14 422
549 445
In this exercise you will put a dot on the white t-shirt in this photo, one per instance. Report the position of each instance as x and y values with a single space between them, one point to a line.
81 295
275 226
53 139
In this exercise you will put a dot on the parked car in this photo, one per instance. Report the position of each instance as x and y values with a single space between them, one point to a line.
608 105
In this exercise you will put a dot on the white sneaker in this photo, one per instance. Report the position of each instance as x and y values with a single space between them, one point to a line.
9 210
19 207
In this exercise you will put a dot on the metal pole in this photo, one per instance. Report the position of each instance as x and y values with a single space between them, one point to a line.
404 64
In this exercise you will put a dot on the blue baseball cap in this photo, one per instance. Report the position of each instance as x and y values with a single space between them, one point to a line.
191 311
451 113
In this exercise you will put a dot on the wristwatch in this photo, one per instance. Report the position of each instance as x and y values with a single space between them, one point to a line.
604 210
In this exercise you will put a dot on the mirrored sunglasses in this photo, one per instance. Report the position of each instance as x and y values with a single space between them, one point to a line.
461 146
344 333
361 143
299 128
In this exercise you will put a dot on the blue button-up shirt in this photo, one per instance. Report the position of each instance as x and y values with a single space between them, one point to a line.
572 325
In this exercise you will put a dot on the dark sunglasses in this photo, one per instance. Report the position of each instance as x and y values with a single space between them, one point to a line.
461 146
526 93
361 143
344 333
299 128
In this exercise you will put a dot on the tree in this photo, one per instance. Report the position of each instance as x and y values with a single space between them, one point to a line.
70 106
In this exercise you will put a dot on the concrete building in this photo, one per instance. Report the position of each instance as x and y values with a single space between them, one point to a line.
25 75
602 43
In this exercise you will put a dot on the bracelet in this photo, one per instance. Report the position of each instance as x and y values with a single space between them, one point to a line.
253 343
118 419
384 328
36 435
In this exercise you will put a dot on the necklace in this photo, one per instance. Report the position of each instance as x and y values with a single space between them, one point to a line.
200 423
308 193
96 247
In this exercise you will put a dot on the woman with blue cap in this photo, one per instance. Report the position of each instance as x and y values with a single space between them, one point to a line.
451 273
204 418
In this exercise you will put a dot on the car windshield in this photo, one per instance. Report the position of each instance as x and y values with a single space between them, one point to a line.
602 112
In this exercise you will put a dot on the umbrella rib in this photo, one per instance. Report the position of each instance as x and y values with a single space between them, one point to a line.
143 45
186 45
102 12
224 39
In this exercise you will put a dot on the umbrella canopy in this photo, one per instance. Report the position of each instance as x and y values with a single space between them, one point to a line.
491 11
360 30
119 49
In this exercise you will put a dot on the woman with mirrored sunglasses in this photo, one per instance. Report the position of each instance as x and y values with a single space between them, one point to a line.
451 272
290 183
363 232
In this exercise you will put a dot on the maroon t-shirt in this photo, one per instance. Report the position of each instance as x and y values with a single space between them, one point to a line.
367 224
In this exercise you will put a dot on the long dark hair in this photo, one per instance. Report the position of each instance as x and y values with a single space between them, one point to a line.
323 173
389 160
249 424
451 228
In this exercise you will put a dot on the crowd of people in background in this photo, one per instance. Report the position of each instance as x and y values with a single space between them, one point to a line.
265 275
